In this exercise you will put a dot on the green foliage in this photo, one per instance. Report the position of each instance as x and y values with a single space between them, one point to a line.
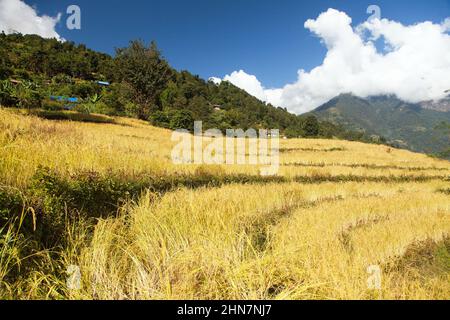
28 96
84 90
7 94
91 105
311 126
49 105
395 122
72 116
5 72
182 119
52 57
143 85
23 95
11 205
160 119
145 72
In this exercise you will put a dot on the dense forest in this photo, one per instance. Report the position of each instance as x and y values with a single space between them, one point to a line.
142 84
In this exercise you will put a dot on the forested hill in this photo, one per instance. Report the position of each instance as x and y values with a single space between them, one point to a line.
402 124
142 85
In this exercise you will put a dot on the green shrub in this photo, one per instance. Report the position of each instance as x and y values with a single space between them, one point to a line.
85 89
160 119
181 119
71 116
8 97
11 205
62 79
50 105
131 109
103 108
5 72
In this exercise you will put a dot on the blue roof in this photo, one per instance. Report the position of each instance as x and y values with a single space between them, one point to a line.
103 83
62 98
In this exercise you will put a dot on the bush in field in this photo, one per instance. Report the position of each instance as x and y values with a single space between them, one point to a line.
28 96
23 95
5 72
8 96
85 108
11 205
181 119
90 105
86 193
85 90
131 109
160 119
50 105
103 108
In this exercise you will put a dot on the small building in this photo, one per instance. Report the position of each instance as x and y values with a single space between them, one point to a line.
103 83
69 102
64 99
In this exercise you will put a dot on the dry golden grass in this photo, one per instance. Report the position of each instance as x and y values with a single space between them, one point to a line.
279 241
268 241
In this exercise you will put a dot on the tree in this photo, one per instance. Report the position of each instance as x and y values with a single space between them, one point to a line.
182 119
160 119
28 95
145 72
8 96
311 126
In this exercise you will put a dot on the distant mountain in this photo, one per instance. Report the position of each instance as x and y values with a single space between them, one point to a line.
422 127
441 105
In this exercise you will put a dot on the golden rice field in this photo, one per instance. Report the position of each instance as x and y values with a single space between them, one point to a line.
338 208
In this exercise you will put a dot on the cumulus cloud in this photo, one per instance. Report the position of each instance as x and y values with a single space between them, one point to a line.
17 16
247 82
415 64
215 80
253 86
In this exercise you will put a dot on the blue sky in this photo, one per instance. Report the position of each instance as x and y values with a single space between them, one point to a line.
216 37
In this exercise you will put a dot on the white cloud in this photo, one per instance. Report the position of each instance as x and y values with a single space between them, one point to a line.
248 83
415 66
215 80
17 16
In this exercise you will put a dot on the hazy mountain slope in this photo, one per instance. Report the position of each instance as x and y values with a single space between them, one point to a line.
402 124
441 105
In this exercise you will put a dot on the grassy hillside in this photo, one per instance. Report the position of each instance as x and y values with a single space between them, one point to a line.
402 124
107 198
142 85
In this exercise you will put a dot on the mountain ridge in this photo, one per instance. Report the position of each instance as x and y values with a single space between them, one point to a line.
405 125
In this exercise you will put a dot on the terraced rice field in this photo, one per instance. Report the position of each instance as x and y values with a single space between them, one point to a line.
336 210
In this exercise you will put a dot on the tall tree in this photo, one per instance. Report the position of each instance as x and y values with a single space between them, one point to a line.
146 74
311 126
